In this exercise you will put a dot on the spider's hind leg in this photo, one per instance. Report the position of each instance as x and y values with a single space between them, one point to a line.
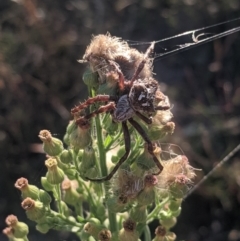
127 142
151 146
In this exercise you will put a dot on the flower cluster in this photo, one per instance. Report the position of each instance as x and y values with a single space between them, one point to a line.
120 208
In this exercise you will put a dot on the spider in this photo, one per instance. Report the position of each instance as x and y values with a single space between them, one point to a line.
137 96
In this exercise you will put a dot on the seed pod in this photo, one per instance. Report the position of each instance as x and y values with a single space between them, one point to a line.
54 175
20 229
26 189
128 232
66 156
35 210
139 214
52 146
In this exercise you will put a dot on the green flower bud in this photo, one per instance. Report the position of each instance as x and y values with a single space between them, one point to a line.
158 132
117 204
65 209
35 210
66 156
167 221
43 227
147 195
139 214
46 185
128 232
52 146
88 160
179 187
26 189
91 173
71 196
111 85
20 229
175 204
90 78
55 175
45 198
80 136
120 153
145 160
177 212
109 125
93 228
160 233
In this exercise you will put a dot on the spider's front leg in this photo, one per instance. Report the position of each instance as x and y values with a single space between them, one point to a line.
151 147
127 142
92 100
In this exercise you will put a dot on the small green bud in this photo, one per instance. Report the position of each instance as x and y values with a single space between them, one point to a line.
145 160
139 214
71 196
117 204
128 232
93 228
54 175
157 132
175 204
90 78
35 210
65 209
167 221
109 125
160 233
177 212
46 185
43 227
80 136
44 197
147 195
20 229
88 160
110 87
179 187
120 153
66 156
26 189
52 146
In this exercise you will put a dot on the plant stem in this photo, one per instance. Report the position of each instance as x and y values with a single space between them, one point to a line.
58 192
103 166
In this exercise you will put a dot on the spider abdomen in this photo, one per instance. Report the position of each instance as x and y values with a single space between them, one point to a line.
142 95
123 110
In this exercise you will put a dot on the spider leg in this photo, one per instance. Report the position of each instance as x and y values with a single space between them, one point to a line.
104 108
151 147
141 65
120 74
90 101
127 142
144 118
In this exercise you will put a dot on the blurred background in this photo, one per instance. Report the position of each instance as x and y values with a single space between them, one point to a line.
40 80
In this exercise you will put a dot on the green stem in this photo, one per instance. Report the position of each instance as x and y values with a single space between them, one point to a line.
103 167
156 210
59 198
147 233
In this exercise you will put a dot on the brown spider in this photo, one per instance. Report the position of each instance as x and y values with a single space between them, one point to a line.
139 95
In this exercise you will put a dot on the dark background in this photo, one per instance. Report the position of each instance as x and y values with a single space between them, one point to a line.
40 80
